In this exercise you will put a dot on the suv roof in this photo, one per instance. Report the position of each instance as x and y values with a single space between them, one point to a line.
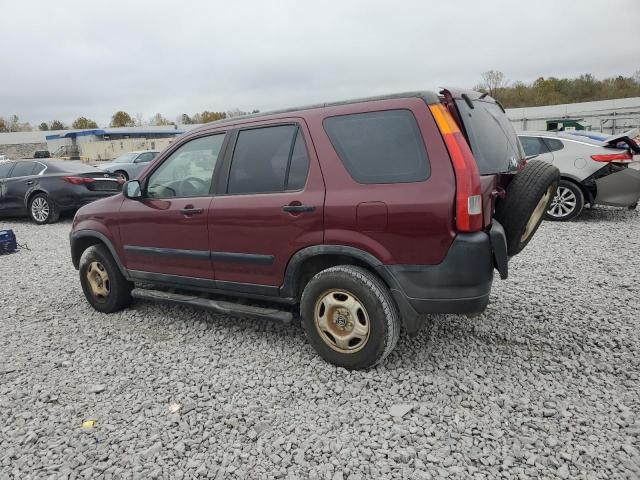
428 96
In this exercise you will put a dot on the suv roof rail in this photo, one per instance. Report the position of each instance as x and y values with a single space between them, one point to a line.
428 96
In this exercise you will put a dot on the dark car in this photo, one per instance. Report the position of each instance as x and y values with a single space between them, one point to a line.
43 189
42 154
361 215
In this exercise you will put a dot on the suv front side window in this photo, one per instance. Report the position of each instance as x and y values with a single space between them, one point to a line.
188 172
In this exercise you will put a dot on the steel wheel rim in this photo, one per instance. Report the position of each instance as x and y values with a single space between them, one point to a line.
98 280
342 321
563 203
40 209
537 214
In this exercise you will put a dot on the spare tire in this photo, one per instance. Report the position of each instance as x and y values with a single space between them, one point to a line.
527 200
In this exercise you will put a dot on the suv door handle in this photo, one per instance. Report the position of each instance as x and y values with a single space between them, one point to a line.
298 208
30 182
189 210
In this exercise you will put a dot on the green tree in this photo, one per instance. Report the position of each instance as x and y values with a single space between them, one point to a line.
82 123
57 125
122 119
207 116
43 126
3 125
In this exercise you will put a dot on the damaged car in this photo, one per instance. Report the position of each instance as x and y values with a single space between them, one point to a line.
595 170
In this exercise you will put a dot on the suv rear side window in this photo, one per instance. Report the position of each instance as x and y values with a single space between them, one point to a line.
266 160
380 147
492 138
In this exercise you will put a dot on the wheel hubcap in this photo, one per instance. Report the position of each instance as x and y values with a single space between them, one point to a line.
98 279
342 321
563 203
538 213
40 209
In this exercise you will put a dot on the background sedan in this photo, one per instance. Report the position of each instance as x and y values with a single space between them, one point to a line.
594 171
130 164
43 189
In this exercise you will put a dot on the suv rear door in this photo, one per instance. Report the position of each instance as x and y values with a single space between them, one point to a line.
268 205
492 139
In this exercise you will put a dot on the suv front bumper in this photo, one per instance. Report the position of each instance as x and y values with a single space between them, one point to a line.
461 283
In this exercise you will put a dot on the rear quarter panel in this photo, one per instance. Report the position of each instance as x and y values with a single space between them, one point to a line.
401 223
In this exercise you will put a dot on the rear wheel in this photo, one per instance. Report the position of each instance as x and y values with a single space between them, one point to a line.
42 209
567 202
528 197
103 284
349 317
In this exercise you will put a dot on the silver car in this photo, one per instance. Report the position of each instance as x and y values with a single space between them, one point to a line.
595 170
130 164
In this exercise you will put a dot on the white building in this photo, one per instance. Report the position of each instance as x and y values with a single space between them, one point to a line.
608 116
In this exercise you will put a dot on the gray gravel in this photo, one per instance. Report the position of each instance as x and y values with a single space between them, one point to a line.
546 383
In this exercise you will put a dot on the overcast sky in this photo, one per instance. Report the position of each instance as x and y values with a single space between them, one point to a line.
60 60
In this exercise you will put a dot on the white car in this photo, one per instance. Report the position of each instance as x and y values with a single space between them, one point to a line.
594 169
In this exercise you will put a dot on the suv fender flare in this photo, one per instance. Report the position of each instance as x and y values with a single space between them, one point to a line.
288 289
74 237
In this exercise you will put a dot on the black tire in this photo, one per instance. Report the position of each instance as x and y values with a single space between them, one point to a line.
123 174
379 310
42 209
567 203
528 197
119 288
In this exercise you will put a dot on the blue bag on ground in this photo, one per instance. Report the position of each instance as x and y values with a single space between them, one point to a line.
8 242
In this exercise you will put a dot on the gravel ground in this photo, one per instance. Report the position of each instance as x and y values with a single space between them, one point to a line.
546 383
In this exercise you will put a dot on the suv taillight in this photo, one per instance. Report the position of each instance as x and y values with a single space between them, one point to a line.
468 193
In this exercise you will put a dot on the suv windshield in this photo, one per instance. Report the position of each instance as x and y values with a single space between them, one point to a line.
492 138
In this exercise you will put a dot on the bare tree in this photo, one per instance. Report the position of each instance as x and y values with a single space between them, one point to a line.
492 82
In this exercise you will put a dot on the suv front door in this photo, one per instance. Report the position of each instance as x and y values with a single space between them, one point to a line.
165 232
268 205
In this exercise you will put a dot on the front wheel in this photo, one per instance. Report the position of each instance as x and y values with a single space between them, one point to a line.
103 284
567 203
349 317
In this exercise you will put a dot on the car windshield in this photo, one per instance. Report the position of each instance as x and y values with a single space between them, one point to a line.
492 138
126 158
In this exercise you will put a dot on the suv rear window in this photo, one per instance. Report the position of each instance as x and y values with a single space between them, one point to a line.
380 147
492 138
268 159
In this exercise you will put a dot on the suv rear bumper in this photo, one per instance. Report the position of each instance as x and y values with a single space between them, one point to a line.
461 283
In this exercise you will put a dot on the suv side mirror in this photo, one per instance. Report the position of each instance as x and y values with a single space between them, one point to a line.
132 190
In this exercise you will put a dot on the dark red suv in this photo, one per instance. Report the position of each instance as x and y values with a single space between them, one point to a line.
362 215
